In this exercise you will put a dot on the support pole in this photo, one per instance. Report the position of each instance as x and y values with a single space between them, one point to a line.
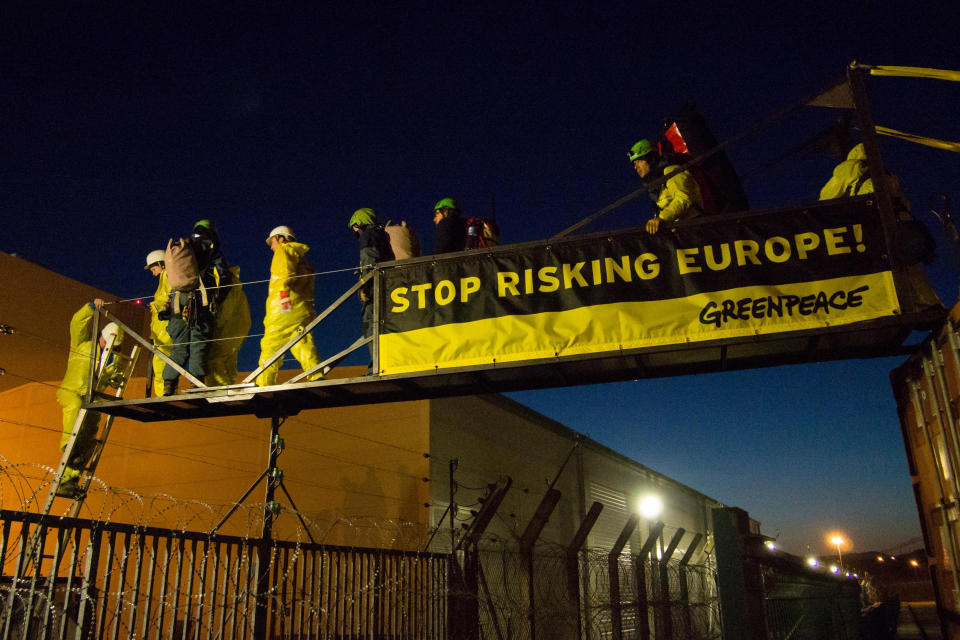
262 598
871 145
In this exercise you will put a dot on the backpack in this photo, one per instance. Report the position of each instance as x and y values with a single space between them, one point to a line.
403 240
481 233
183 273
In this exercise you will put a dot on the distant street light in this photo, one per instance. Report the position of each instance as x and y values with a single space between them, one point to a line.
916 566
837 540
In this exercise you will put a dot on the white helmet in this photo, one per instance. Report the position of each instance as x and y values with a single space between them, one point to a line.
154 257
112 331
282 230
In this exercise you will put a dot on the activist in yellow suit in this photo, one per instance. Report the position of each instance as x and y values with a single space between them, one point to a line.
158 328
74 387
232 327
289 305
850 178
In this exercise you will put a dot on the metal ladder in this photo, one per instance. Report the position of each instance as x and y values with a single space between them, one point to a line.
117 377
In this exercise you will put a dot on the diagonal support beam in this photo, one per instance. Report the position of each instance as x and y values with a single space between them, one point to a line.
332 361
309 327
149 347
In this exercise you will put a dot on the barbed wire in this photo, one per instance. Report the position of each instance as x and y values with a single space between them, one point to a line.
365 577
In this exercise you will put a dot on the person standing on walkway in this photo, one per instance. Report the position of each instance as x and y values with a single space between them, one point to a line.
289 305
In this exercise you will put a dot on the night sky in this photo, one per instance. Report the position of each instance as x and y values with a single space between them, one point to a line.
123 123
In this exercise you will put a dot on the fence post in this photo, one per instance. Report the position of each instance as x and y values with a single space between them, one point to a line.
738 577
687 631
665 622
464 606
527 541
573 561
643 613
613 566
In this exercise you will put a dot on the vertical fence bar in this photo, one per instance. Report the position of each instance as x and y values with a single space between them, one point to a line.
91 567
62 536
177 579
18 571
280 574
137 575
202 588
68 590
214 573
34 547
221 632
104 597
151 574
313 602
164 581
191 562
301 586
118 608
252 573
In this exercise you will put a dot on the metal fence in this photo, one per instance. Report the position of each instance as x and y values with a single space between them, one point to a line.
810 606
96 580
522 598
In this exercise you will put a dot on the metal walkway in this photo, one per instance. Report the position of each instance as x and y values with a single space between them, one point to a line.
883 337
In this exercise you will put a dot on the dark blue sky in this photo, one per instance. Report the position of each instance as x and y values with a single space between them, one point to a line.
123 125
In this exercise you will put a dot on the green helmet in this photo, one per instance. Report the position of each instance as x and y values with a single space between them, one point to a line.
205 224
447 203
363 217
641 149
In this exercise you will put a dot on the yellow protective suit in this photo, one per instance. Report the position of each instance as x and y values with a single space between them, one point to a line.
850 177
158 332
680 197
71 392
233 325
289 308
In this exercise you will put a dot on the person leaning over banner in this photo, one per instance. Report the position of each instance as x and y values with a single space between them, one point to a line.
451 228
677 198
374 248
158 328
915 244
74 387
289 305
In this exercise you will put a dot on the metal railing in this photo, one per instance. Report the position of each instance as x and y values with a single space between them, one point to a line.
96 580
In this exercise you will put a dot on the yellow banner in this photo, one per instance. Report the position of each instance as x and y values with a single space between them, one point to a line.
916 72
733 313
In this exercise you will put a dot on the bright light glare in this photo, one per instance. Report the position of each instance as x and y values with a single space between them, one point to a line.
650 506
879 558
914 563
834 569
837 541
813 562
770 545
